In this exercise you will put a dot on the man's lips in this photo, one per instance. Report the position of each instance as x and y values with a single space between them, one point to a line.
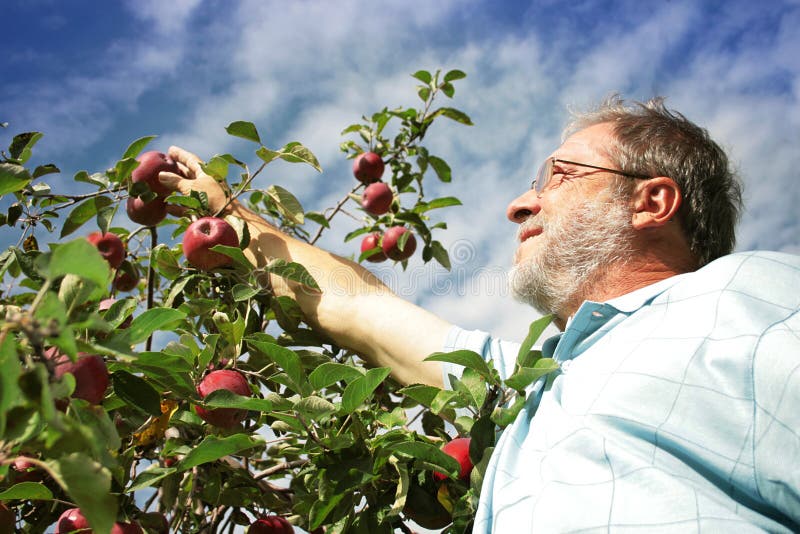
526 233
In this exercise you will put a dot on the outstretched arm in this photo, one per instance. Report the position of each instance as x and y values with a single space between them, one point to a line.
353 308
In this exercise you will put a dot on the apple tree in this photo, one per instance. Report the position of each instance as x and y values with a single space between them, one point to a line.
151 380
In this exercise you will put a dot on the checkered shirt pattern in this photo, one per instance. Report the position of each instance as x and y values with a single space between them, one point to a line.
677 410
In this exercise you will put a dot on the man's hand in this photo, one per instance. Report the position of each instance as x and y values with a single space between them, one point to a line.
194 179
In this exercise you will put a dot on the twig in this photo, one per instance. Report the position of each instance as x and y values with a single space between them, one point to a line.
336 209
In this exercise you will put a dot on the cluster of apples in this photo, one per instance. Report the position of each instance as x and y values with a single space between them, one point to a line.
200 236
377 200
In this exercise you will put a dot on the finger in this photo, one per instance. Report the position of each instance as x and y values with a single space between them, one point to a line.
175 182
184 170
189 160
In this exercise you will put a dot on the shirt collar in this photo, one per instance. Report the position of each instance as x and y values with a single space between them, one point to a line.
630 302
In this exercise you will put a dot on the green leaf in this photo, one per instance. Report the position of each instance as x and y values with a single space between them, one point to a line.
190 202
79 257
441 255
43 170
448 89
296 153
287 312
315 408
292 271
13 178
437 203
22 144
82 213
213 448
242 292
9 373
89 485
423 75
136 392
454 75
331 372
430 454
150 321
423 92
217 167
318 218
442 170
454 114
503 417
524 356
236 254
223 398
525 376
124 168
359 389
137 146
287 204
164 262
467 358
421 393
27 491
245 130
286 359
267 155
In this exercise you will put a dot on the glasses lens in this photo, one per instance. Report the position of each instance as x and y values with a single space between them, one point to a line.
543 176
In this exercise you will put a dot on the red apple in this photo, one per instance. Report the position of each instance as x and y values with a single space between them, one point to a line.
459 449
271 524
126 528
368 167
89 370
146 213
25 471
72 521
127 277
7 519
110 246
390 243
150 164
203 234
377 198
369 242
223 379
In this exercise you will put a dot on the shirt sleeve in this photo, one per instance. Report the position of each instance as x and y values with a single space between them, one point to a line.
776 377
503 354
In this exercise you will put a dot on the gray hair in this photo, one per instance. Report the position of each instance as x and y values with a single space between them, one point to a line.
655 141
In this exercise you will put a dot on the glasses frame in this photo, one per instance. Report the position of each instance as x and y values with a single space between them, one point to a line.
538 184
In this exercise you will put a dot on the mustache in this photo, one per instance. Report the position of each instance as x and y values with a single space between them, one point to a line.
533 221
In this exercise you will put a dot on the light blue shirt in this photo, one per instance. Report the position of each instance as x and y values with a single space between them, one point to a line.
677 410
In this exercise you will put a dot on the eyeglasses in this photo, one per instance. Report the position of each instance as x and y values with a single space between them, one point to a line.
545 174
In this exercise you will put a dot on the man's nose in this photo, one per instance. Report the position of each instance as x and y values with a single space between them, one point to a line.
524 206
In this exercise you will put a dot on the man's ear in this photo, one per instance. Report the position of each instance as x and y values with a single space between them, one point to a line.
656 202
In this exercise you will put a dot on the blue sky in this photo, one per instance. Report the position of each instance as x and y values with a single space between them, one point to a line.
94 75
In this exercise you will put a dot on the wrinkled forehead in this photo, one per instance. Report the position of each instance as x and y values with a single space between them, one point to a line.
588 145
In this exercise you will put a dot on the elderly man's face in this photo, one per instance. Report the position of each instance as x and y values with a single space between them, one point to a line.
572 229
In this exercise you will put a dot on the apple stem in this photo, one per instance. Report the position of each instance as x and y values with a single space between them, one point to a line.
151 277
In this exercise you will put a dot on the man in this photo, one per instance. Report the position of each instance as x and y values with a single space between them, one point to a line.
675 408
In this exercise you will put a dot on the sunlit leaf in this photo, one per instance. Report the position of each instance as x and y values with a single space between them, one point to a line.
245 130
82 213
137 146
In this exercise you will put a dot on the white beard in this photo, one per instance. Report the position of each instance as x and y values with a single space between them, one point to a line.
576 248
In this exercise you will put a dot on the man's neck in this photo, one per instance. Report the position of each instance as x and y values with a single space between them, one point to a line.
624 277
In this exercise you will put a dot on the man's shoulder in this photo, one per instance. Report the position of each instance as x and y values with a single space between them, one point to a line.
757 280
764 267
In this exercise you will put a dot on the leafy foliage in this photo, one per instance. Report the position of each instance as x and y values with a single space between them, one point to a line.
326 441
